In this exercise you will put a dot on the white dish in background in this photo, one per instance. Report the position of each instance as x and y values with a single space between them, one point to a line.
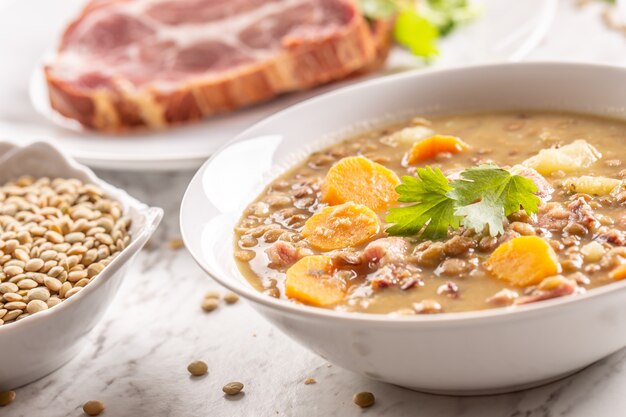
37 345
26 37
476 352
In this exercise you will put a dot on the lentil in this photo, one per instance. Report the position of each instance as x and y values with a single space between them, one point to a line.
210 304
364 399
47 230
198 368
231 298
212 294
6 398
35 306
93 408
232 388
175 244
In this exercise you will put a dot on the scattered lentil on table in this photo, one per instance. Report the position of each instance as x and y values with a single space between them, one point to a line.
364 399
232 388
210 304
93 408
56 235
212 294
198 368
6 398
231 298
175 244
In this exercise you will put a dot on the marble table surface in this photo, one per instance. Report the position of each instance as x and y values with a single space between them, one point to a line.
136 358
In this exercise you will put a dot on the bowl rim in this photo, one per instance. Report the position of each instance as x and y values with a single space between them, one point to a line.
453 318
152 217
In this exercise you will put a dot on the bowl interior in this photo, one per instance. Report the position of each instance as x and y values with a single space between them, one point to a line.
235 175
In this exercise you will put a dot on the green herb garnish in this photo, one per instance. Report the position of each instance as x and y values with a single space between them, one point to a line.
481 199
418 27
435 209
416 33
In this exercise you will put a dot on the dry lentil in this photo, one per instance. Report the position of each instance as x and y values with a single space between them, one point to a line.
232 388
72 291
39 293
364 399
198 368
35 306
55 235
6 398
175 244
93 408
231 298
212 294
309 381
210 304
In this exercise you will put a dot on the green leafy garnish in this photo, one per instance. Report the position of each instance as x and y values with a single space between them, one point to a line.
416 33
446 15
418 27
435 209
481 199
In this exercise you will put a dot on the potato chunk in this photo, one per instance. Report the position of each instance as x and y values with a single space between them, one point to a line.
362 181
407 136
311 281
338 227
588 184
568 158
523 261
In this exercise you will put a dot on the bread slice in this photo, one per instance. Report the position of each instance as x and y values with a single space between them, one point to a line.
133 64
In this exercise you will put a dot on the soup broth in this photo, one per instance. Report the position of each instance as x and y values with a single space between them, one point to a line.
346 259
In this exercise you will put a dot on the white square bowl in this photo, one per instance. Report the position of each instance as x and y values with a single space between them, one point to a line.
41 343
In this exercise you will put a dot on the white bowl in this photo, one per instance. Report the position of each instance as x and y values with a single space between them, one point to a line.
489 351
37 345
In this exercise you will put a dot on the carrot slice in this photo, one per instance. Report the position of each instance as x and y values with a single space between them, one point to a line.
311 281
430 147
362 181
524 261
618 273
342 226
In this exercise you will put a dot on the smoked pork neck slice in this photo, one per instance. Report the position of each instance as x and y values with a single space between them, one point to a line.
131 64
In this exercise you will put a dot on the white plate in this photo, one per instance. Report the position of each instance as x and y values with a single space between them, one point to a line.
28 29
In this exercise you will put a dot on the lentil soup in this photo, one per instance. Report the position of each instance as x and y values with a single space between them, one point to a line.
445 214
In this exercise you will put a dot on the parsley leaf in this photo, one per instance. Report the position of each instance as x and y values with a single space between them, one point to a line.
481 199
434 212
419 26
485 213
487 194
497 191
448 14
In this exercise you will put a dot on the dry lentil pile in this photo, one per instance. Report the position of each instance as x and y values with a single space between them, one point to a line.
55 236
